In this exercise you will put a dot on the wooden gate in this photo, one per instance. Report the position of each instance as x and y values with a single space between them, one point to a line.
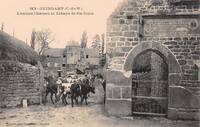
149 97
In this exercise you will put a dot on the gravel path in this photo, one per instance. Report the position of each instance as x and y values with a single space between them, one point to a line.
79 116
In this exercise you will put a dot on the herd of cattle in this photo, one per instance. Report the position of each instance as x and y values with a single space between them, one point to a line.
64 88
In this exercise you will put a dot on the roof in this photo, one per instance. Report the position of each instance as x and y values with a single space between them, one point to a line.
55 52
91 52
14 49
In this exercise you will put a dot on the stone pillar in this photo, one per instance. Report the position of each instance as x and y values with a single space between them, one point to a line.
118 94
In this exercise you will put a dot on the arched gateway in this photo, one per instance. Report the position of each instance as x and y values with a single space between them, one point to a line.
152 57
153 67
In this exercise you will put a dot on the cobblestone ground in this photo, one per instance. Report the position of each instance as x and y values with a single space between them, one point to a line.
79 116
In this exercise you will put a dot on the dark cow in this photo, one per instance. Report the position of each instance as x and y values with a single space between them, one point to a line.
75 92
85 89
51 87
80 90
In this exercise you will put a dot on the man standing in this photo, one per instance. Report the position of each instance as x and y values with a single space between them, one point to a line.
91 80
103 83
86 80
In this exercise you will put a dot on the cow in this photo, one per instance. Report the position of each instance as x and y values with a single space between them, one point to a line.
64 89
51 87
75 92
85 90
77 89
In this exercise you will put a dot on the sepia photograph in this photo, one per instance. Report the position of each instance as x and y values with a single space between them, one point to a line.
100 63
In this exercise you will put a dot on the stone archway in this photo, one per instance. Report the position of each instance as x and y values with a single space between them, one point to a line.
174 70
173 65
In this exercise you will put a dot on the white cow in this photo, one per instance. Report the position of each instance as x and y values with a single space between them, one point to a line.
64 86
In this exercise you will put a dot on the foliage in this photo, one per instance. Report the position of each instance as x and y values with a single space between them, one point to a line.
96 41
2 26
33 39
41 39
72 43
102 61
103 42
84 40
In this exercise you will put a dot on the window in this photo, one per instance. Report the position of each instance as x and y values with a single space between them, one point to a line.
64 56
71 54
63 65
141 27
55 64
47 56
87 56
193 24
48 64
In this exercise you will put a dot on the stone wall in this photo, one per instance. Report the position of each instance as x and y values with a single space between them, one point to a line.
171 30
55 63
19 81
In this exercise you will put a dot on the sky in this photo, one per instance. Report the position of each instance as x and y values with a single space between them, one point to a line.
19 18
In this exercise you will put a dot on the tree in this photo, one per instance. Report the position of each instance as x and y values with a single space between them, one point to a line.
96 41
103 42
33 39
43 39
102 60
2 26
84 40
72 43
102 56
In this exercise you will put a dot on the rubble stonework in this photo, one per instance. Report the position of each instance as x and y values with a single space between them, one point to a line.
19 81
169 29
21 73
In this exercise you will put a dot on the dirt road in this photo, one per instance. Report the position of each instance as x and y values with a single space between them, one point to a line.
79 116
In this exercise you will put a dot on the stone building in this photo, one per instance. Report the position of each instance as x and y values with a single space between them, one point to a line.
54 61
153 54
73 56
89 60
60 61
21 75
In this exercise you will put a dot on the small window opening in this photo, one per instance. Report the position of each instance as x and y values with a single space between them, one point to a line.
48 64
193 24
55 64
